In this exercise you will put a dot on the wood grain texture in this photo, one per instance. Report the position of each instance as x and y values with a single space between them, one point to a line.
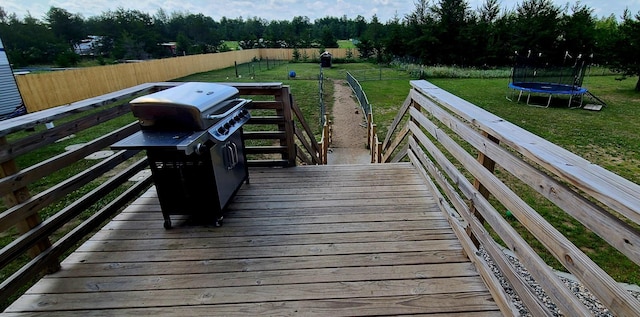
295 249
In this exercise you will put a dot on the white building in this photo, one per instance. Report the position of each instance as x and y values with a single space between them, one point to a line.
88 46
10 97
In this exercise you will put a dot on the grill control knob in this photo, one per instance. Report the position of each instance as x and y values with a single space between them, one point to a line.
200 149
227 125
222 130
232 121
237 117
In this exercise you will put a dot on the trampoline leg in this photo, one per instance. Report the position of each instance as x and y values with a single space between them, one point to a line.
528 97
519 95
570 98
549 102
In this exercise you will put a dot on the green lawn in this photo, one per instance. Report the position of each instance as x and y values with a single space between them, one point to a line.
345 44
232 45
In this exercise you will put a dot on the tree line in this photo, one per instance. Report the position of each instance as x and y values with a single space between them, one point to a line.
447 32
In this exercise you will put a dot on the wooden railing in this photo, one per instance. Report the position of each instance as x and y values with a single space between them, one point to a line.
46 237
282 127
457 146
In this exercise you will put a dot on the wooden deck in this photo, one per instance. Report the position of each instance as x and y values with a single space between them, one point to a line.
311 240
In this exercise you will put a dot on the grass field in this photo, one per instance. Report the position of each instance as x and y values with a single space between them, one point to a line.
232 44
346 44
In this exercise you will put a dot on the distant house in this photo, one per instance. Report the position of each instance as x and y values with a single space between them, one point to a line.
10 98
170 47
88 46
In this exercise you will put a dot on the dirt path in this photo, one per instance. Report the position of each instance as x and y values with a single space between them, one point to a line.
349 135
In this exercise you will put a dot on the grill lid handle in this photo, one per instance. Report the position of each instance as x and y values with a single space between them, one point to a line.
234 108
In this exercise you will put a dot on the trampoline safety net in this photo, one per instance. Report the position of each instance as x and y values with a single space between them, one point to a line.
535 73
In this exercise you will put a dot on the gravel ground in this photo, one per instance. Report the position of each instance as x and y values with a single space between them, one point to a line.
349 139
576 287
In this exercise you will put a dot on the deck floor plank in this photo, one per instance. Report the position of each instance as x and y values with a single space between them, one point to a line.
312 240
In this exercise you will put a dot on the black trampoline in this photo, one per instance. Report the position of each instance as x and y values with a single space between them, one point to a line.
538 75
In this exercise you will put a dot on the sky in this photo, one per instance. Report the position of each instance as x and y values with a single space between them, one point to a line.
385 10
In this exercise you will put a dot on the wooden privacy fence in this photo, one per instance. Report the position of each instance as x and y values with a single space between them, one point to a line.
457 146
48 224
46 90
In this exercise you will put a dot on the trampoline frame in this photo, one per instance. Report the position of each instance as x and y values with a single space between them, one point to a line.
548 88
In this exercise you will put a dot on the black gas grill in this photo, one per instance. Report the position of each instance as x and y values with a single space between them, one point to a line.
193 137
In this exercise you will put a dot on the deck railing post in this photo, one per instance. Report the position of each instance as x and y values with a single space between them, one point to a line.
490 165
325 140
369 132
19 196
372 142
286 99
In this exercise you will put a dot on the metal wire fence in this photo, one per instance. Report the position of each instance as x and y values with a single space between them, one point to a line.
322 105
360 95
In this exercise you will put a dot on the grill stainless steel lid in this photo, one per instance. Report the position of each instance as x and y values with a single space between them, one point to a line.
190 106
186 116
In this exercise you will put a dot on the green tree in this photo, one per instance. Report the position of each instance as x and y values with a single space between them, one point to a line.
183 45
29 41
578 31
537 27
607 35
328 40
452 20
420 23
627 55
301 31
488 42
66 26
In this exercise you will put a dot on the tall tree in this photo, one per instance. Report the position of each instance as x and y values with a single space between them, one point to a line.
578 31
486 34
301 27
372 41
30 42
396 38
452 21
66 26
537 27
422 44
327 39
606 38
627 54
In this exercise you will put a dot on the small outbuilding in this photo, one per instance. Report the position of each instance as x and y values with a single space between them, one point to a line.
10 99
325 59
